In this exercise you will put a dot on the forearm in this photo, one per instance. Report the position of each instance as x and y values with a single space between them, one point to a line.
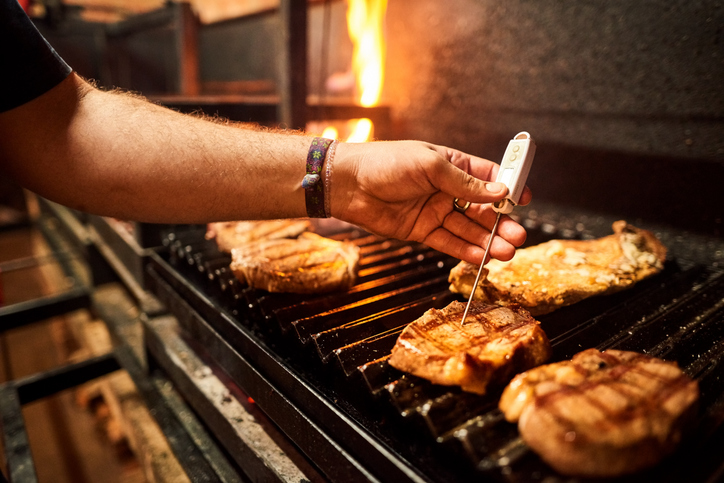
117 155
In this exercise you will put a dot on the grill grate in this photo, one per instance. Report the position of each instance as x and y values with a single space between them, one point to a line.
677 315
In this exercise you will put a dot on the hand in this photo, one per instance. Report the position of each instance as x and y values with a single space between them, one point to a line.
405 190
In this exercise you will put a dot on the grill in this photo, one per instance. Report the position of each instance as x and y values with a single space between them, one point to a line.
317 365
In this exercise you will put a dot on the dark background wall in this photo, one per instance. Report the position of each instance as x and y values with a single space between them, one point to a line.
644 76
625 99
243 49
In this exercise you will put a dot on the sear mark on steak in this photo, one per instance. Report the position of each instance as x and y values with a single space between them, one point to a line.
494 344
602 414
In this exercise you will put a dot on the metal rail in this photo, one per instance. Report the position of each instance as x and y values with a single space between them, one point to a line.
195 449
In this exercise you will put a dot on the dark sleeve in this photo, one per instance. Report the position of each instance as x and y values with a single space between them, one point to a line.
28 64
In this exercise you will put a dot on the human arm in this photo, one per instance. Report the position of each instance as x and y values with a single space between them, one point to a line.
119 155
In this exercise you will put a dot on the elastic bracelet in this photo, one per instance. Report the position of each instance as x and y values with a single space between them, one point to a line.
312 182
328 179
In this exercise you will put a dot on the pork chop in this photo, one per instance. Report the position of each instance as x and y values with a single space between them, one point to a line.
602 414
308 264
494 344
557 273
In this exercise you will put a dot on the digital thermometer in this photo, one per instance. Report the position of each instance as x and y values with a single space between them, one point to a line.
513 173
514 169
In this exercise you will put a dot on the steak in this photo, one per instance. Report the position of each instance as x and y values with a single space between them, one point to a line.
557 273
233 234
494 344
602 414
308 264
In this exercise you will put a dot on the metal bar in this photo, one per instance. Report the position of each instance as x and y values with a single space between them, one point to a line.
187 452
211 451
36 261
5 227
243 437
61 229
70 223
55 380
29 389
21 468
24 313
324 111
187 50
293 63
120 262
113 311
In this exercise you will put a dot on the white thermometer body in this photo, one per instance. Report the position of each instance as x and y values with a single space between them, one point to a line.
513 173
514 169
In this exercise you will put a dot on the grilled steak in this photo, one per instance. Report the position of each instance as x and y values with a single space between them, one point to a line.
602 414
557 273
308 264
232 234
494 344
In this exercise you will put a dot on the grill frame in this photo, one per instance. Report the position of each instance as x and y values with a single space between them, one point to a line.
291 382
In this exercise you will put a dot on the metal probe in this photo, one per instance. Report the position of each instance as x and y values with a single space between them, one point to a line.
480 270
513 174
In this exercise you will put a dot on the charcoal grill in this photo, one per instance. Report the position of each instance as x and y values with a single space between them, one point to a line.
317 365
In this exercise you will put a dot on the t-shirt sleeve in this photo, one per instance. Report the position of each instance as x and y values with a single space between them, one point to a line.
29 66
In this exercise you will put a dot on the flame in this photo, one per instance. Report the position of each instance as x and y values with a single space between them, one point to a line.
364 22
361 130
365 19
330 132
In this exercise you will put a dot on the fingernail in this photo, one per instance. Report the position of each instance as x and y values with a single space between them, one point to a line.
495 187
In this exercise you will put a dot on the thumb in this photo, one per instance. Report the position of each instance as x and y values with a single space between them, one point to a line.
456 182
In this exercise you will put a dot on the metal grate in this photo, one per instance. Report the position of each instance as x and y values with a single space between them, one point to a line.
347 337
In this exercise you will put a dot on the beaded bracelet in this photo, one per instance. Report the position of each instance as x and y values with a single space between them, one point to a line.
312 182
328 179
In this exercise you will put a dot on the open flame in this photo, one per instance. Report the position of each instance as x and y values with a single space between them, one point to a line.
364 22
365 19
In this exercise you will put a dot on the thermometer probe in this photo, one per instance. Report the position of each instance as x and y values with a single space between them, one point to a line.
513 173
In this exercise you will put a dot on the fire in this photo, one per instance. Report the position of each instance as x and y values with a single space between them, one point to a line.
364 22
361 131
365 19
330 132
